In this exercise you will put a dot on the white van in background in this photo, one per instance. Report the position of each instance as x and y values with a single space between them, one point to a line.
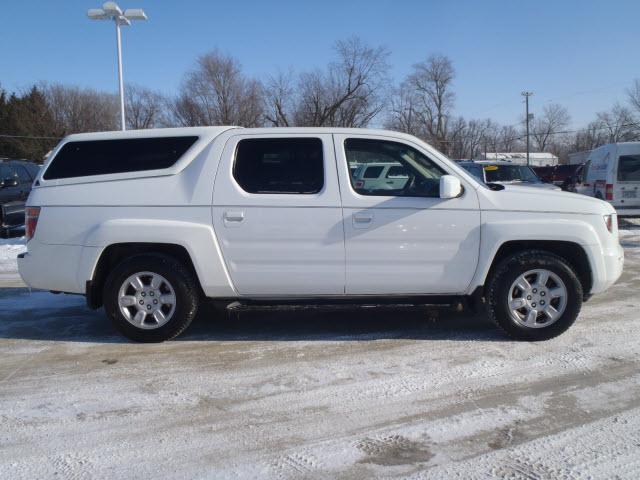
380 176
612 173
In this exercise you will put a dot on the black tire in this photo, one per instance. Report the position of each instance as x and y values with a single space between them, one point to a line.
182 281
509 270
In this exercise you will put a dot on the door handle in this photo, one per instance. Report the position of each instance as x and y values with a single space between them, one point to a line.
362 220
234 215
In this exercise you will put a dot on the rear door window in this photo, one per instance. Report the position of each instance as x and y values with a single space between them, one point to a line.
102 157
280 165
629 168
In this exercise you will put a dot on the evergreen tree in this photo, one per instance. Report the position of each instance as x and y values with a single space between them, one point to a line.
27 122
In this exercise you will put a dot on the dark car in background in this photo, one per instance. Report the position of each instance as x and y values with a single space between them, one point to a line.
16 178
564 176
504 173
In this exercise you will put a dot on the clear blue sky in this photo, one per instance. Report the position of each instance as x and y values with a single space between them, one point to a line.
582 54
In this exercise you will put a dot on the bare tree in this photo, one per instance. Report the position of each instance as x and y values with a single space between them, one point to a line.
279 97
633 95
144 108
77 109
431 81
509 138
457 141
215 92
618 124
588 138
350 93
615 125
468 140
554 119
404 112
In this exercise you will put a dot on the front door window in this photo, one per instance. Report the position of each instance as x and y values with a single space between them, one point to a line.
391 169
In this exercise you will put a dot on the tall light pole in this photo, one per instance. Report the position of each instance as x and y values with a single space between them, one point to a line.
111 11
526 96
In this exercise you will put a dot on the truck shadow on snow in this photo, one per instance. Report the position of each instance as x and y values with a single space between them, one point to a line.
46 317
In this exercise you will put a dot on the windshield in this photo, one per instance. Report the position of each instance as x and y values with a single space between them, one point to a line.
474 169
510 173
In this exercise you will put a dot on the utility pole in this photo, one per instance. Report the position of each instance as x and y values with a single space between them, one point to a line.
526 96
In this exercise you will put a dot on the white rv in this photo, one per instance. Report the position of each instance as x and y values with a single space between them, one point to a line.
612 173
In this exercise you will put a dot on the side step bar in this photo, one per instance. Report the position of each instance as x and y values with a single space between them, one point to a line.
473 302
333 304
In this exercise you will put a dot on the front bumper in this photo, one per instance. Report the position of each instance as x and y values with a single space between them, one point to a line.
609 270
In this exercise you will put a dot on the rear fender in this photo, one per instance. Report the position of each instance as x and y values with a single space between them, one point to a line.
199 241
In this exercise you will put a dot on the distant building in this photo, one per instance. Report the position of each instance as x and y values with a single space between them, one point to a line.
537 159
578 157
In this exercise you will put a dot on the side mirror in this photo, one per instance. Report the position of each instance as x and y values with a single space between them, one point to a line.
450 186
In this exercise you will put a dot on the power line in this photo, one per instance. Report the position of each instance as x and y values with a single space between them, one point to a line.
560 132
28 137
517 137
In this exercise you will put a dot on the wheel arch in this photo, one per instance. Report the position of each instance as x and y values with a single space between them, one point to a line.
115 253
573 253
192 239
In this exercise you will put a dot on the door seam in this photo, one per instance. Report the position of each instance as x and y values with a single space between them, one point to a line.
344 228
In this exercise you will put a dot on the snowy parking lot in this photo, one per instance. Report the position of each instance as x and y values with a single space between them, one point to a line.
349 394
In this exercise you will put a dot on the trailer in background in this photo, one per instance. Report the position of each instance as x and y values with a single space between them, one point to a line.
536 159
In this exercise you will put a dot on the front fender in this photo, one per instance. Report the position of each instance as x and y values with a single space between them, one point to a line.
499 228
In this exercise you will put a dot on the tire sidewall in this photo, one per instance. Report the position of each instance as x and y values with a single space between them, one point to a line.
510 271
173 272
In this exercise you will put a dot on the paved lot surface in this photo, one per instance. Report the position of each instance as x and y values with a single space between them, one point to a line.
355 394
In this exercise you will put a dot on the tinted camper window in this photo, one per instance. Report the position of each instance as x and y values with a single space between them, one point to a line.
100 157
280 165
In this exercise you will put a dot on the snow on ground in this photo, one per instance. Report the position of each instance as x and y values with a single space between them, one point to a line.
9 250
356 394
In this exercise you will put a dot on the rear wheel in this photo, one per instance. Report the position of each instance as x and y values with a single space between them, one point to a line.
534 295
151 298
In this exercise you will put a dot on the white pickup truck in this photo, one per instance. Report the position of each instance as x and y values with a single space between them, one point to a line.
148 223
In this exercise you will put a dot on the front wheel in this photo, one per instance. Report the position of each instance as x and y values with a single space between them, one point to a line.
534 295
151 298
